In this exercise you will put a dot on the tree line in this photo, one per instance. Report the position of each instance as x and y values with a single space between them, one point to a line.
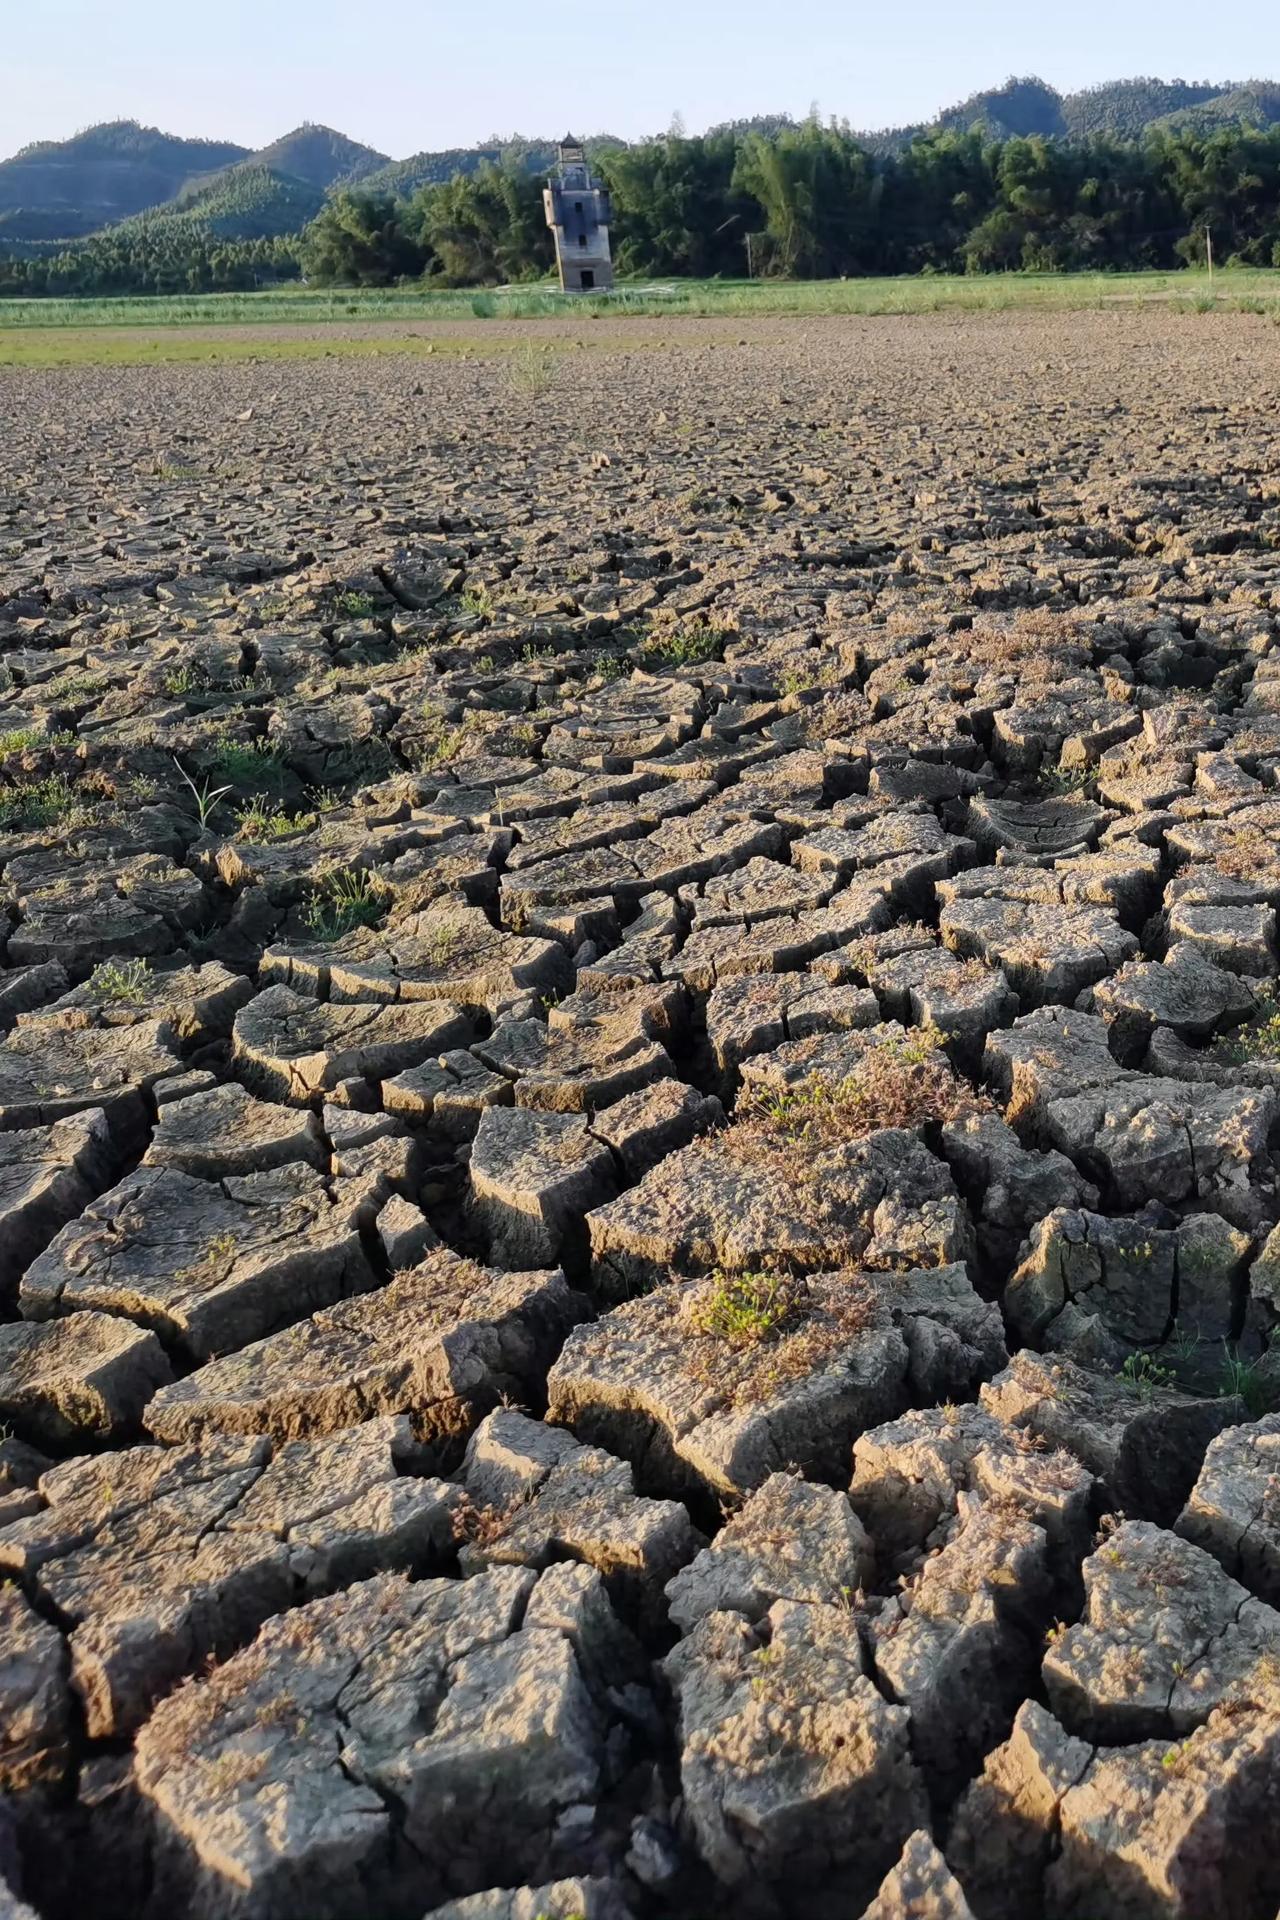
808 202
177 258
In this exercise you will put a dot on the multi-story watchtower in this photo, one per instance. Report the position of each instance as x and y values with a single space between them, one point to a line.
578 214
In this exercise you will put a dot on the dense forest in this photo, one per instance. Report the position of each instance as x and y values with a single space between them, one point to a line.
812 200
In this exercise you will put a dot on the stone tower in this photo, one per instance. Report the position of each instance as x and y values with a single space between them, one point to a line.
578 214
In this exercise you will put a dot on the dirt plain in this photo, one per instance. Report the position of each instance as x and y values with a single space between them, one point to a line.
639 1110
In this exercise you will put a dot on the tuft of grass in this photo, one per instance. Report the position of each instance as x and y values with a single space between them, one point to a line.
184 680
252 764
530 370
354 606
1064 782
221 1247
1243 1380
123 982
687 647
75 686
752 1335
440 743
797 680
31 740
476 598
345 898
54 802
206 796
696 499
265 819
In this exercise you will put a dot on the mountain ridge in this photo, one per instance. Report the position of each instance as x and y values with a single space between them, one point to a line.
118 174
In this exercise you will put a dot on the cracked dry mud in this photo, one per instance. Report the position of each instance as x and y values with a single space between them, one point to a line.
640 1128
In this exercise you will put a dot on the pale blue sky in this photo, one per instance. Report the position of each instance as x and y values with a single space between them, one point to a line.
405 75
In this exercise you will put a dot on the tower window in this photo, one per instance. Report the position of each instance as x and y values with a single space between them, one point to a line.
582 239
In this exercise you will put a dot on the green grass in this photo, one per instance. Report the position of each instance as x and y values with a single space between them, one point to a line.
922 293
256 765
44 803
1248 1382
156 329
344 899
266 819
354 606
31 740
687 647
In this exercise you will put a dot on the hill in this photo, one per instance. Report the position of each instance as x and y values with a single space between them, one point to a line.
125 175
319 155
1023 106
276 190
61 189
246 202
1256 104
1124 109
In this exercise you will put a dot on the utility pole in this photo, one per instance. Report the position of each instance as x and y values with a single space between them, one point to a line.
1208 253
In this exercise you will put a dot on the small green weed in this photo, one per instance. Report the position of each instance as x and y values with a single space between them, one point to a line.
439 743
696 499
1144 1374
184 680
1243 1380
687 647
213 1253
120 981
1063 782
345 898
265 819
745 1308
476 598
45 803
253 764
1258 1041
31 740
899 1083
206 796
75 686
353 606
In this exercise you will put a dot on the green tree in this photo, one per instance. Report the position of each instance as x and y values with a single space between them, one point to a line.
483 228
362 240
819 195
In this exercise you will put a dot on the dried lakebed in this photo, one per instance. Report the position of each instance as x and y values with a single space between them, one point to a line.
640 1128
